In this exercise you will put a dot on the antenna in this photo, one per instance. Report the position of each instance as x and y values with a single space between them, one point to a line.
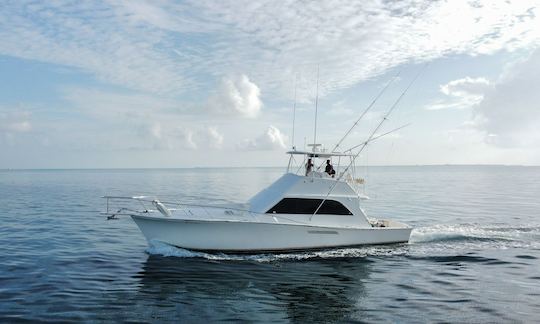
316 108
294 111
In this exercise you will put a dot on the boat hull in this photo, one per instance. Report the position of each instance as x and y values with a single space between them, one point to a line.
234 236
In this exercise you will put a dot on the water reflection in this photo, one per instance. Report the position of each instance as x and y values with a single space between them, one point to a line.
306 291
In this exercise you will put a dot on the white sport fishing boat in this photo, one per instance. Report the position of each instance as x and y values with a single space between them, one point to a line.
305 209
302 210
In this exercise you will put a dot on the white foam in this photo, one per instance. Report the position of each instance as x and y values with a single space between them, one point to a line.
449 232
160 248
459 238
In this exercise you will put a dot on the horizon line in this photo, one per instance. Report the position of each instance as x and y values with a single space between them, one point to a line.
261 167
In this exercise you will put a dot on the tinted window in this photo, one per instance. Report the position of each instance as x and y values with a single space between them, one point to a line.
308 206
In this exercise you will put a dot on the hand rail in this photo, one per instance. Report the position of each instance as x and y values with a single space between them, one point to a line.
144 199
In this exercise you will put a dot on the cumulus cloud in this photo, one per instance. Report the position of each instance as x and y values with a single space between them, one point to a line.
183 137
155 131
461 93
214 138
509 114
19 127
160 137
160 123
171 48
465 87
236 96
272 139
15 122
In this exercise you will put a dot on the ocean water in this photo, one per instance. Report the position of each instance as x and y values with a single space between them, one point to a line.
473 256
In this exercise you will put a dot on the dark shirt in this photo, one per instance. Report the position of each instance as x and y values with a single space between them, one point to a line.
329 168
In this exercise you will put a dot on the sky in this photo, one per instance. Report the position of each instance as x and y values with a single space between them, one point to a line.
150 84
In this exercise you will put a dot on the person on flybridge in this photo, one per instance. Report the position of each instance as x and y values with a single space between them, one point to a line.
329 169
309 167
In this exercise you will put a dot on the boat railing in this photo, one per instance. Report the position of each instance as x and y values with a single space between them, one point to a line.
122 205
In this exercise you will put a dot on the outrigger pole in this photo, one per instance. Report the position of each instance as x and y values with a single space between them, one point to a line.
376 137
368 108
371 136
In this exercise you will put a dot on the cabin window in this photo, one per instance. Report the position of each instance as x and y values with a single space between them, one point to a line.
308 206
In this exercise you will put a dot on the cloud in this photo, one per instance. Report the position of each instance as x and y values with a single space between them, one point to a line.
18 127
157 123
13 125
183 137
155 131
199 138
156 136
465 87
236 96
15 122
461 93
93 38
509 114
214 138
272 139
176 48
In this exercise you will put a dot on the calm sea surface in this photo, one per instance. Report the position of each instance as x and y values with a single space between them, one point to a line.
473 256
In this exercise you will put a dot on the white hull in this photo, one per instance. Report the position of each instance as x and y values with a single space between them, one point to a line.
238 236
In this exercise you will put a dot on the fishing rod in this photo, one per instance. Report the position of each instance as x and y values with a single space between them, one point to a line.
373 139
368 108
377 137
371 136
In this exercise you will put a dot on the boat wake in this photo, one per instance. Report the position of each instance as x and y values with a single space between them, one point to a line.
431 240
475 233
462 238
